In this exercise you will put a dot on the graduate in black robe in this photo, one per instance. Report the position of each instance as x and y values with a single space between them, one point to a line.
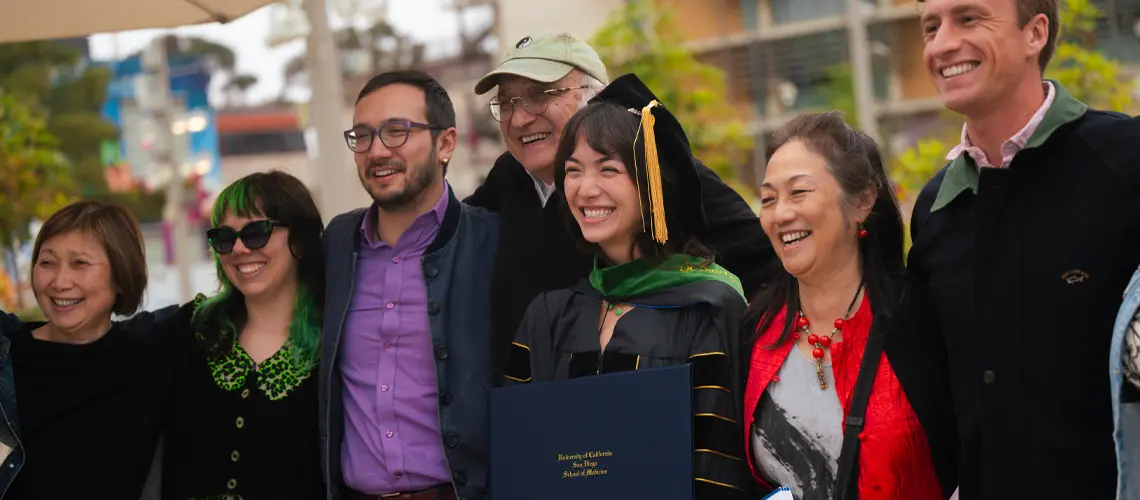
655 297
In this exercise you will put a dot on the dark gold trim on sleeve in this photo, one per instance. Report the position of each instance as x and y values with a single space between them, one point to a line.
518 363
717 434
711 370
715 483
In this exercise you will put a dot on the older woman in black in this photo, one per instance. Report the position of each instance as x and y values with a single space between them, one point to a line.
91 393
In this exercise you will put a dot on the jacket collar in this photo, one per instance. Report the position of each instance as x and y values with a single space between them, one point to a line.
962 173
446 229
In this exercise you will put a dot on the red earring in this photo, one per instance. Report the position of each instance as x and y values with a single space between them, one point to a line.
862 230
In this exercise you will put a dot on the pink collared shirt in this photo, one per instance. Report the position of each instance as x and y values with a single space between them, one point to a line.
1011 146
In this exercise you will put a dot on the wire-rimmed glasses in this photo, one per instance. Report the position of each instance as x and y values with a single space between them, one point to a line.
534 101
392 134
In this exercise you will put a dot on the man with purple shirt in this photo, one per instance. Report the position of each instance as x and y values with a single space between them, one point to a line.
406 360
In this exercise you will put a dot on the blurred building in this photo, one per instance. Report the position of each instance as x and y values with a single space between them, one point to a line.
783 57
195 133
260 139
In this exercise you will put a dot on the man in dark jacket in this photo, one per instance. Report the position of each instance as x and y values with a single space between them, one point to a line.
1025 243
406 348
541 83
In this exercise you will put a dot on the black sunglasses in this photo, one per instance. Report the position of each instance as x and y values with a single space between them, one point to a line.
254 235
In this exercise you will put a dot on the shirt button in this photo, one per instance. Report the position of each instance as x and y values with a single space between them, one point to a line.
390 305
395 260
384 388
989 377
398 475
387 345
234 456
244 393
389 433
231 484
240 422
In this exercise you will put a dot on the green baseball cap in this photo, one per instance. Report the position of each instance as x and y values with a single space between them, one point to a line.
546 59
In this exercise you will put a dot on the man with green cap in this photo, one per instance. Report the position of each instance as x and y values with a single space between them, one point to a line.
541 82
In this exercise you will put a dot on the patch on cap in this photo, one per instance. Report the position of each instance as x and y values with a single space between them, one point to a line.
524 42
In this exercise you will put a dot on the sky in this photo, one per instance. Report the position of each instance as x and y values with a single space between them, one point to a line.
422 20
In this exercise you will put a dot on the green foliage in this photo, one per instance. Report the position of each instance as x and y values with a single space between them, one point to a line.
1087 74
34 174
34 180
912 168
44 77
643 39
840 92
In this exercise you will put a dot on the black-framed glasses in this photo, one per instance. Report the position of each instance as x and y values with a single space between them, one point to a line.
253 235
534 100
392 134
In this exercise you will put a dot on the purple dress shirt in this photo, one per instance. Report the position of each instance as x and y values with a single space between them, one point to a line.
391 410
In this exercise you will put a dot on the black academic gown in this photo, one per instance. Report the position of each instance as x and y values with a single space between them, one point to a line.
696 323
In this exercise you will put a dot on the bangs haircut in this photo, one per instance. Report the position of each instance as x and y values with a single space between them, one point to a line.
277 196
613 130
117 231
853 159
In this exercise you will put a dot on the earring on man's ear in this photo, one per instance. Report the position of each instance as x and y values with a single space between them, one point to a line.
445 161
862 230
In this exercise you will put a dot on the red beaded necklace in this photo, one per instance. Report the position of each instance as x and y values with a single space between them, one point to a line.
823 341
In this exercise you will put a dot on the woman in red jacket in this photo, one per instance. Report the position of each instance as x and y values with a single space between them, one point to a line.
831 214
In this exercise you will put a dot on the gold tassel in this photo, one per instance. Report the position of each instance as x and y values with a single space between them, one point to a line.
653 174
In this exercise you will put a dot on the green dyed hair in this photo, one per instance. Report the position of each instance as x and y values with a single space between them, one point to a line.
278 196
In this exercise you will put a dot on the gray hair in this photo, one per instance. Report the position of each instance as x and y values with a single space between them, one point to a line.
591 88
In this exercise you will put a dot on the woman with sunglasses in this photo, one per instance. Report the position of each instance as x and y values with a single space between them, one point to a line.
243 423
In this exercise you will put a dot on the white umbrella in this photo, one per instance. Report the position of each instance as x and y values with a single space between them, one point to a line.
22 20
25 20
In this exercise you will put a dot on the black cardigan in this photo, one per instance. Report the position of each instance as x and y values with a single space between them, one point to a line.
537 254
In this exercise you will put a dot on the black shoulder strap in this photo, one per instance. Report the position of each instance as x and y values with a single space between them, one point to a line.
846 481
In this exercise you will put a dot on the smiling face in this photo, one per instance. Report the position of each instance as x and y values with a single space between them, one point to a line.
977 52
73 283
259 272
533 139
603 199
803 213
397 177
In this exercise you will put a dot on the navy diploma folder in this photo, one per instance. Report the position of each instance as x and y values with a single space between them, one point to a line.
618 436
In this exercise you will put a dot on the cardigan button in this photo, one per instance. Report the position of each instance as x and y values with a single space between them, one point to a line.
431 271
445 398
441 352
433 307
989 377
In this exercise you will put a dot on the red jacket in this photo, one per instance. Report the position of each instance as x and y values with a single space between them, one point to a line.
894 456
